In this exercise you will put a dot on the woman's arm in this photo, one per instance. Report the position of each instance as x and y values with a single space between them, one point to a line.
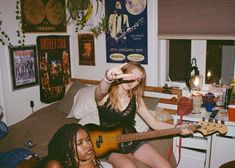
103 87
101 90
110 76
158 125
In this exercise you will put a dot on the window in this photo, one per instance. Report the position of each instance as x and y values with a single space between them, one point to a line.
215 59
219 61
179 59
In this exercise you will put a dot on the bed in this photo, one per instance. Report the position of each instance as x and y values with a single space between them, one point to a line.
35 131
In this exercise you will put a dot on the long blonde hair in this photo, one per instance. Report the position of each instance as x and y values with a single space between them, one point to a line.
137 92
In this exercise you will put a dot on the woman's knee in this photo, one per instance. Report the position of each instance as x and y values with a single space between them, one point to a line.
148 155
121 161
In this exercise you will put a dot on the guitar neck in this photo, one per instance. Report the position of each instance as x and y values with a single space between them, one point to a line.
151 134
122 35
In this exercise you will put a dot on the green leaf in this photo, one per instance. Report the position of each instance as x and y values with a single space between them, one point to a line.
75 5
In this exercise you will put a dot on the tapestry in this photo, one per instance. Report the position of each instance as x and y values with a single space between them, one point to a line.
43 15
86 49
126 38
54 66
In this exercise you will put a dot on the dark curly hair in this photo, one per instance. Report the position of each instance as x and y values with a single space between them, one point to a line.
61 147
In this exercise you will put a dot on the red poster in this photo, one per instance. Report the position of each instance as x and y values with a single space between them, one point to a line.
86 49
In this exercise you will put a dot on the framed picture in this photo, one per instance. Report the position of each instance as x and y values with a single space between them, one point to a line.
86 49
23 66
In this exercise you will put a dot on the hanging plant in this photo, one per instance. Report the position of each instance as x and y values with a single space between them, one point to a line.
80 11
101 27
4 38
19 32
83 17
74 6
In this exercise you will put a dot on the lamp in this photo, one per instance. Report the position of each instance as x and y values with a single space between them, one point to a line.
193 80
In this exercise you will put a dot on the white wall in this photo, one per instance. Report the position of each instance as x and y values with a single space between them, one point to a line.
101 65
16 103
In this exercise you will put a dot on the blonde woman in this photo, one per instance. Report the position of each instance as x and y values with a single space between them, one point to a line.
119 98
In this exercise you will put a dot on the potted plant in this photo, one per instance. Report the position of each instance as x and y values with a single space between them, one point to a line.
80 11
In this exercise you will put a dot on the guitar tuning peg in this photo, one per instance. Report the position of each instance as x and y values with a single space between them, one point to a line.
203 118
216 120
209 120
222 121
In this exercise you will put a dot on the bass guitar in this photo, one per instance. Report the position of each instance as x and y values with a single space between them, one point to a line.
105 141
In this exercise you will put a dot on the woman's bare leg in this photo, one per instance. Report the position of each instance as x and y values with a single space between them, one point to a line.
148 155
119 160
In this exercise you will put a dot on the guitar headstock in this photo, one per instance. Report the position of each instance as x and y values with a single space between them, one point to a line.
138 23
211 127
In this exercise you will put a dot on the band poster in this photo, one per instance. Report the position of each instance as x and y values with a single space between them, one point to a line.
24 66
126 38
54 66
86 49
43 15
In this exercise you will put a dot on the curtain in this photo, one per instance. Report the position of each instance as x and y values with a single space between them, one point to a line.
196 19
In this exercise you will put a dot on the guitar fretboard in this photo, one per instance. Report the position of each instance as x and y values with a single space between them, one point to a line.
151 134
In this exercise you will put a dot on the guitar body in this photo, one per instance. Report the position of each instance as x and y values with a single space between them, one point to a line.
119 41
104 141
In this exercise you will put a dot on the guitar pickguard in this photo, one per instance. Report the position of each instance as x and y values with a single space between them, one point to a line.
126 147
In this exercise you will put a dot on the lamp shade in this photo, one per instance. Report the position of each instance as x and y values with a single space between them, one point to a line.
195 82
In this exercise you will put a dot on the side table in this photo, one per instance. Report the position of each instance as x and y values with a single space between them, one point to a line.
205 152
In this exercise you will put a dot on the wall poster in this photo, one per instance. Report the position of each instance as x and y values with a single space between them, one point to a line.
126 38
23 66
43 15
86 49
54 66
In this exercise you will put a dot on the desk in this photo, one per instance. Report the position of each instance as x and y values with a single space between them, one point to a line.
205 152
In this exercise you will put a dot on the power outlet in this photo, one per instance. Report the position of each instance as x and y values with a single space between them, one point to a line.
31 103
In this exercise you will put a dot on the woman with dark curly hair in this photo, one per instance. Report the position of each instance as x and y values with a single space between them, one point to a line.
70 147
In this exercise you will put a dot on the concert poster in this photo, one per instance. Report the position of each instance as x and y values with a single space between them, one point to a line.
86 49
54 66
126 38
43 16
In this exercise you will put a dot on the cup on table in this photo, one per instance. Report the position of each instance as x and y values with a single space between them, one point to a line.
209 106
231 112
209 101
197 101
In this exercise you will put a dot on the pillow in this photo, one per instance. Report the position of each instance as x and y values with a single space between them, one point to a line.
66 103
84 103
92 117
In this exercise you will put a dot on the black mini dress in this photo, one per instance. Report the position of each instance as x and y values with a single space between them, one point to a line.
111 119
